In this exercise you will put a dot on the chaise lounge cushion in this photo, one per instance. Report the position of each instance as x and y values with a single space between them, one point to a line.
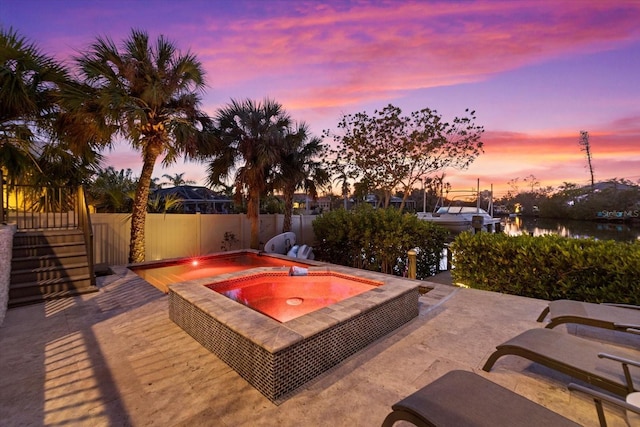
574 356
606 316
461 398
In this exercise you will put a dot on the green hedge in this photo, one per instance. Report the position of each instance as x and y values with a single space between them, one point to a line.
549 267
378 240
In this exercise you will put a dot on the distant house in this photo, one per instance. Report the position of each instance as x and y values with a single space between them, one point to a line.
193 199
330 203
409 204
305 204
324 203
395 202
608 185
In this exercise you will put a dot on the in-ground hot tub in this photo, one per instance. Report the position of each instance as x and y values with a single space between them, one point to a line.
278 357
165 272
283 297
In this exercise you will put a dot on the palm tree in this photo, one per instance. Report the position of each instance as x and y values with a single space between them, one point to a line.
224 189
251 137
155 184
112 191
300 168
343 180
29 82
177 179
149 95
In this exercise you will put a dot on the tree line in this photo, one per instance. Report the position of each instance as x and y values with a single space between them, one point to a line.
614 199
55 121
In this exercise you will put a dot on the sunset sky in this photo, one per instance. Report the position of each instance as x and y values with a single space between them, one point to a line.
536 72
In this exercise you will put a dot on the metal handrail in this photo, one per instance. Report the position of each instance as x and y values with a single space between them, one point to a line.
36 208
84 224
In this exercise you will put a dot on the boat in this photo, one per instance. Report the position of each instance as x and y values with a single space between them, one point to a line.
461 218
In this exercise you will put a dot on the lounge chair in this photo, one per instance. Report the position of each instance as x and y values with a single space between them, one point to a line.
621 317
611 368
461 398
632 411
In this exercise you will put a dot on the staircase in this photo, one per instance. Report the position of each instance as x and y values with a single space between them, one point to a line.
47 265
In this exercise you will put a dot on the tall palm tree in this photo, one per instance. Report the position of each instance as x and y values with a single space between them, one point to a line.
251 137
300 167
148 94
29 81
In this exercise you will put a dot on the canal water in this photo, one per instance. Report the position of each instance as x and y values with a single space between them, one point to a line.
622 232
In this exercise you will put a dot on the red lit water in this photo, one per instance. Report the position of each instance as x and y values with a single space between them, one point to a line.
284 297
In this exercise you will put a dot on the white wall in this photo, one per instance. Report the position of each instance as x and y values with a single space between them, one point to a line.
180 235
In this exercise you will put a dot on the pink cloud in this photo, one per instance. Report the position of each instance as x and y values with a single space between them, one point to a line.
335 54
626 125
379 51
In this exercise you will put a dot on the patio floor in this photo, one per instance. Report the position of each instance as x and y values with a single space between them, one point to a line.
114 358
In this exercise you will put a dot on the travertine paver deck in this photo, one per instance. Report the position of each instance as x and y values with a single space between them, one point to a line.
115 358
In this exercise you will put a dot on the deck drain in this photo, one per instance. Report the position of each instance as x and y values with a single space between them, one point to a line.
294 301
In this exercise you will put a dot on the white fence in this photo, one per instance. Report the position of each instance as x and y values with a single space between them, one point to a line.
182 235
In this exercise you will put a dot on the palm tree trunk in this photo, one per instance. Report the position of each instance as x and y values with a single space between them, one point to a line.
139 214
253 213
288 210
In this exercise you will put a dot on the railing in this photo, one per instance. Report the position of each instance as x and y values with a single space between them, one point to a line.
84 224
36 208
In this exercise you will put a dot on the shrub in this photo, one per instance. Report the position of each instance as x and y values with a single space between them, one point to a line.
549 267
378 240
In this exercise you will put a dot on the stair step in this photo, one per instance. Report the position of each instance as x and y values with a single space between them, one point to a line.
50 286
35 299
30 262
49 272
49 282
30 238
49 268
47 245
47 249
